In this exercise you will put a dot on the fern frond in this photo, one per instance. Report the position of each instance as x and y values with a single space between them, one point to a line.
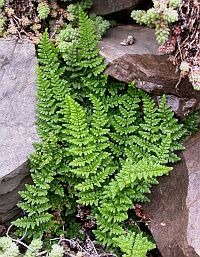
51 89
88 149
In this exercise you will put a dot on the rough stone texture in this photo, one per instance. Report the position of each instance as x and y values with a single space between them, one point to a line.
180 106
104 7
175 206
9 196
142 63
17 118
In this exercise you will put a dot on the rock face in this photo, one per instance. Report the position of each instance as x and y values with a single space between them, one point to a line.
17 118
180 106
175 206
142 63
104 7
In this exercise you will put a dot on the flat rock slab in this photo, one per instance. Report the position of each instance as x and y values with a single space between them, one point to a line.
103 7
145 42
175 206
152 71
17 118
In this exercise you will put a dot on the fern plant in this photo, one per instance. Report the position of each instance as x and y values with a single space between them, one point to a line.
84 66
104 144
36 202
88 148
89 60
51 89
73 9
112 198
46 196
100 24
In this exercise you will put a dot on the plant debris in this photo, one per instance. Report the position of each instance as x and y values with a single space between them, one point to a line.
184 42
21 18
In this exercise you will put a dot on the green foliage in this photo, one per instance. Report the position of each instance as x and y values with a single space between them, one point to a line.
33 14
89 60
57 251
1 17
88 146
48 165
67 42
83 63
104 144
36 202
191 122
136 243
43 9
51 89
100 25
8 248
119 195
73 9
34 248
1 23
174 3
1 4
159 17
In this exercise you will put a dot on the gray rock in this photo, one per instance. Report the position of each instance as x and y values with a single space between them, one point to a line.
143 63
10 198
17 120
145 43
180 106
175 206
104 7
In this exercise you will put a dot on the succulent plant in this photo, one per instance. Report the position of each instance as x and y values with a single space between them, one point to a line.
159 17
43 9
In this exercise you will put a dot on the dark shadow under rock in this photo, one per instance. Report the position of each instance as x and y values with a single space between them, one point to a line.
104 7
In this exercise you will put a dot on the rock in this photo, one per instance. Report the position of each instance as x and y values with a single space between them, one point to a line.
17 120
104 7
180 106
175 206
9 193
143 63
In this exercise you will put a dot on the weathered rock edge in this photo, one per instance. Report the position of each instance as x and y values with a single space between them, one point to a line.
142 63
17 121
175 206
104 7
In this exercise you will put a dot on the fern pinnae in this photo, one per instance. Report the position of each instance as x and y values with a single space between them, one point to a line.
104 144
